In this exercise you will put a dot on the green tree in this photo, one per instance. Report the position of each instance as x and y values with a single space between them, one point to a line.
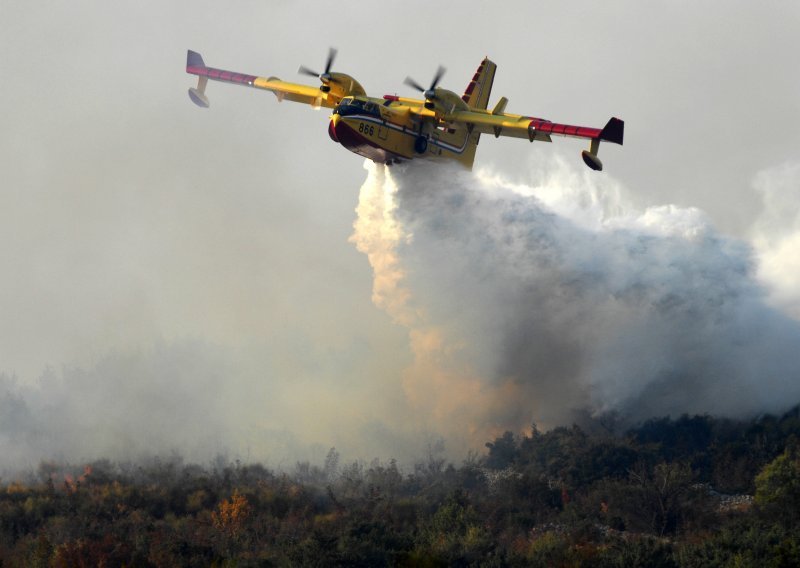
778 487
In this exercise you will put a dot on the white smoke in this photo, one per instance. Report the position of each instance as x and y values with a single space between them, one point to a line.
776 235
521 302
539 302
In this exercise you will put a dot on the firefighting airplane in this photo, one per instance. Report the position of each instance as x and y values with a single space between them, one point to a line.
394 129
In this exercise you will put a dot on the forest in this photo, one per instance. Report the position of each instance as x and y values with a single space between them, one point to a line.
686 491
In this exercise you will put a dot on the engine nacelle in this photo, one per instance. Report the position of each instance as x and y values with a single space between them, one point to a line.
444 102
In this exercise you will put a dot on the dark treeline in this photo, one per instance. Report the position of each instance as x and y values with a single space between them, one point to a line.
692 491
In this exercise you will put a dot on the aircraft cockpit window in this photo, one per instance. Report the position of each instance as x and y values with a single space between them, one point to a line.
350 106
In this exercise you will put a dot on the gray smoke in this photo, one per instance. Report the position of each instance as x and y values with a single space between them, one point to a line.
546 307
200 401
518 303
127 406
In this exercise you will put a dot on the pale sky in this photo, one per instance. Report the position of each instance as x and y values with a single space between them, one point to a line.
130 218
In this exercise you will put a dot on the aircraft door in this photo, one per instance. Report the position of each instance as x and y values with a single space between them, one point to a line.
383 131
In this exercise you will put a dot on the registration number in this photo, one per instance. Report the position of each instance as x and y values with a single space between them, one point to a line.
367 129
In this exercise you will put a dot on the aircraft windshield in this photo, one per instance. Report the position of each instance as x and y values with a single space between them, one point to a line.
350 106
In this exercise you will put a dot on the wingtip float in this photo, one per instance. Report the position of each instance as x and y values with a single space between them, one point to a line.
394 129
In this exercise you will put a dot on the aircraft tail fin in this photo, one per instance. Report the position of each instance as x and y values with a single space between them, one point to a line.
480 87
477 96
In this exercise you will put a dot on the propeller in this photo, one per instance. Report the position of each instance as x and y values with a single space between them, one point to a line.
325 77
430 92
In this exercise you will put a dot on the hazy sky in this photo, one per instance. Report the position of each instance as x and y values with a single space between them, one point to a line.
137 230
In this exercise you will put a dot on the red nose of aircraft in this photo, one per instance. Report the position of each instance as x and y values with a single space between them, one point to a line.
332 127
343 133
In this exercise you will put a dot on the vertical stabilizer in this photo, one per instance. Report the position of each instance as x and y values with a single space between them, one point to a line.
479 89
477 96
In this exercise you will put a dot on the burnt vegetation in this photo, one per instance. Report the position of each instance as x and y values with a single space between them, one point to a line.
691 491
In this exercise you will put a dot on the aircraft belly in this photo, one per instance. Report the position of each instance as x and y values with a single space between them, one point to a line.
386 142
367 139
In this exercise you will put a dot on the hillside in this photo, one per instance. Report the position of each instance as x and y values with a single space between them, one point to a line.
693 491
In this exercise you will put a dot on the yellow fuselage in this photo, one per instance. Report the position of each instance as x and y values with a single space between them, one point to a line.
387 131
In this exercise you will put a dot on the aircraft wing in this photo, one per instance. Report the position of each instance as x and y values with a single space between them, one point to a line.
283 90
499 123
516 126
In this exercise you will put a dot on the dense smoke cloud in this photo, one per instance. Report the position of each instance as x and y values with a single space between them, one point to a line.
544 302
537 302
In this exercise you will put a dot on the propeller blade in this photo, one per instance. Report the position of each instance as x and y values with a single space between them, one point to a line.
413 84
331 56
430 92
438 77
306 71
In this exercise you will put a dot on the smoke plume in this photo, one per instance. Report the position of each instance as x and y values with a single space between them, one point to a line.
541 303
511 304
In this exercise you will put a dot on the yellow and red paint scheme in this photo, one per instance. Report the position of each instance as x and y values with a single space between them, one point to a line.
393 129
389 130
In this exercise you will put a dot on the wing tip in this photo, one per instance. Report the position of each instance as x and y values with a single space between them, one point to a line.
613 131
194 59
